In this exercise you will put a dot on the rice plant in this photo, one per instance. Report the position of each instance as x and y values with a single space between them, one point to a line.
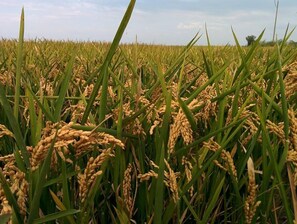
110 133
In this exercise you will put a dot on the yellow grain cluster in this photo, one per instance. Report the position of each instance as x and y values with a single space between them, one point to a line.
180 127
135 126
209 108
292 153
188 171
226 157
251 124
170 178
277 129
6 78
46 87
18 185
147 176
290 80
170 181
251 203
5 208
81 141
127 189
91 172
5 132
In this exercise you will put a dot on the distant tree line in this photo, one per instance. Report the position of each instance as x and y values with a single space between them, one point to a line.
251 39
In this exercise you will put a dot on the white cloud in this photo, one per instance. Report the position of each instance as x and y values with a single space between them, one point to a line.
189 26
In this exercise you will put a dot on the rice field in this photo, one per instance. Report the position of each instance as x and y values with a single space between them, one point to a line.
134 133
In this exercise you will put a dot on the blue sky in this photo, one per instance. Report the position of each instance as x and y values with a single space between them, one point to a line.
153 21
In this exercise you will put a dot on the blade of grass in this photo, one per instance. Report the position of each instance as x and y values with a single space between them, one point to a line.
56 216
119 158
293 190
33 119
46 112
66 198
207 83
61 206
159 193
266 144
162 145
188 114
63 89
175 66
104 69
248 56
275 20
190 207
15 128
213 201
4 218
18 68
284 108
260 92
34 208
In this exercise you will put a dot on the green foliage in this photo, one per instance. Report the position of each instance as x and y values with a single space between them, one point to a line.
250 39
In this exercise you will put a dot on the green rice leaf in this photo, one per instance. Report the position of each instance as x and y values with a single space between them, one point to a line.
104 70
56 216
19 67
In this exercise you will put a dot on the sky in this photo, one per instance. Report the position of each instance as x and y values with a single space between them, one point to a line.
169 22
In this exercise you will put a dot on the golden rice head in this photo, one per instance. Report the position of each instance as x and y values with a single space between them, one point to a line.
293 128
5 132
251 124
277 129
147 176
170 178
170 181
209 108
211 145
292 153
46 86
20 187
290 80
111 93
134 126
54 72
5 207
174 90
26 112
127 189
292 158
150 108
6 78
158 118
203 78
251 203
16 180
82 141
76 112
90 139
226 156
89 89
188 171
91 172
228 162
180 127
190 72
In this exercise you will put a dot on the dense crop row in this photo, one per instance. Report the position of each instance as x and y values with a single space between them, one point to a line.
147 133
